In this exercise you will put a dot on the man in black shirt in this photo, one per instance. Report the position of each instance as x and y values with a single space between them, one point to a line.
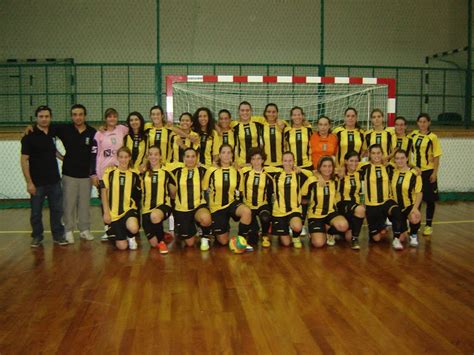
77 139
40 169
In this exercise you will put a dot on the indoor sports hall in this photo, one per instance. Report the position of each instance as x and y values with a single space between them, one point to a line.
404 58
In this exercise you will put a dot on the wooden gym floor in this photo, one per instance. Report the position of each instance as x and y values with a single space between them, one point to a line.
88 298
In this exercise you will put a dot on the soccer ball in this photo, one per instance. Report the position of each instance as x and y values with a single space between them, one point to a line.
237 244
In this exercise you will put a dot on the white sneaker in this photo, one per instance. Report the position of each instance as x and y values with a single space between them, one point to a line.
70 237
171 223
204 244
397 244
331 240
249 248
388 223
132 243
304 231
413 241
104 238
87 235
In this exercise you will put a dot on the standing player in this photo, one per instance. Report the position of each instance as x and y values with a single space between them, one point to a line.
349 203
273 136
190 140
320 194
156 207
350 137
120 193
426 155
226 132
40 169
297 139
406 189
204 125
323 142
256 187
223 184
379 134
287 211
159 134
248 134
190 207
378 199
400 139
136 140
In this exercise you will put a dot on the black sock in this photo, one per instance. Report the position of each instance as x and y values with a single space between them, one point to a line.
206 232
160 232
356 226
430 210
414 228
244 230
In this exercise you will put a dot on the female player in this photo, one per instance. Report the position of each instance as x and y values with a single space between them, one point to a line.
406 189
379 134
223 183
159 134
287 211
350 137
180 143
320 193
426 155
297 139
349 203
248 134
378 201
323 142
204 125
104 149
226 132
400 139
273 136
136 140
156 207
256 188
119 193
190 207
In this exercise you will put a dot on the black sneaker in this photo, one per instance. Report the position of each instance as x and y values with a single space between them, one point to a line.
61 241
36 242
355 244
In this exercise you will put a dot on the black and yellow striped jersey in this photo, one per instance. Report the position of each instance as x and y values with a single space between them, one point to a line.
189 191
405 186
383 137
223 185
287 191
226 137
155 191
321 199
162 138
123 190
376 183
348 140
273 143
297 141
256 187
206 147
247 136
426 147
177 153
350 186
138 146
404 143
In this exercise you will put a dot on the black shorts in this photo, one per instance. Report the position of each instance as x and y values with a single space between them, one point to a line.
346 209
185 224
429 189
318 225
220 219
148 226
281 225
377 216
119 229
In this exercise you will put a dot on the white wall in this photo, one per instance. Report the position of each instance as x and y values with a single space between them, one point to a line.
364 32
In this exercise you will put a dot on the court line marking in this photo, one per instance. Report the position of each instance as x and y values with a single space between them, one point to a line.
102 231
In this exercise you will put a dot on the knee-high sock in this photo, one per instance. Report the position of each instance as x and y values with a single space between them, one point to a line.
430 210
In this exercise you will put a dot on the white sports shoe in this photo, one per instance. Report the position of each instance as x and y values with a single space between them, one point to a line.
70 237
331 240
104 238
304 231
132 243
388 223
87 235
204 244
397 244
413 241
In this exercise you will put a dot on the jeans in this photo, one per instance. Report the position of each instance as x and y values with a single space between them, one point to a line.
55 201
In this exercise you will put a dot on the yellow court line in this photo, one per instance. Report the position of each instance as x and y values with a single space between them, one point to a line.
102 231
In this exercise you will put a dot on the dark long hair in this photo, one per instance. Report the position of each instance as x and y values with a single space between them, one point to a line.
141 130
211 124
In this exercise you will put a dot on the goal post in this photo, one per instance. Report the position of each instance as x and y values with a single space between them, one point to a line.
317 95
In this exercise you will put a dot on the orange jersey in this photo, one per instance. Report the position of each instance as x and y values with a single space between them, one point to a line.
321 147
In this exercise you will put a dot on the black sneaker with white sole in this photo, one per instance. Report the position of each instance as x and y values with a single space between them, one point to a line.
60 241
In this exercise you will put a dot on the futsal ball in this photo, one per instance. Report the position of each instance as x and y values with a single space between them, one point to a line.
237 244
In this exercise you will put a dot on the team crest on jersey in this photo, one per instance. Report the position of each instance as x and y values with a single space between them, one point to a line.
122 180
226 177
113 140
298 136
256 180
247 130
190 174
400 180
135 144
350 137
326 190
352 181
288 180
378 173
154 179
378 139
88 141
418 142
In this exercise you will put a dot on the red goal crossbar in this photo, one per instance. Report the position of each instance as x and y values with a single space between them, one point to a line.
390 83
